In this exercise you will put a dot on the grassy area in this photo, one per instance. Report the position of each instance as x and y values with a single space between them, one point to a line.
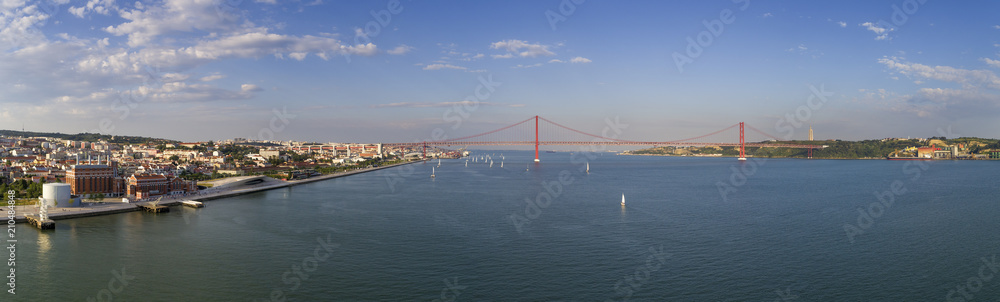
25 201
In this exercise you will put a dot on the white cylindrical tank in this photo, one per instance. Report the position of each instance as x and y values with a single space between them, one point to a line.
58 194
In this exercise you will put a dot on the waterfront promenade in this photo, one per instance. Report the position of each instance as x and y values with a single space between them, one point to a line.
107 208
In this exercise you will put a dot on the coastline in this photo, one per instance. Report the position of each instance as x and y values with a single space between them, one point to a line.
117 208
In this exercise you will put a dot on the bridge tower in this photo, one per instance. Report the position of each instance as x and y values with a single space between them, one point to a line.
743 154
536 139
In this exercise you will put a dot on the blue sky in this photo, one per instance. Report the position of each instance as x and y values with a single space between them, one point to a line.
198 70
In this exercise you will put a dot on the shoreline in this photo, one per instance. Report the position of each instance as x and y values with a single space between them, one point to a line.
117 208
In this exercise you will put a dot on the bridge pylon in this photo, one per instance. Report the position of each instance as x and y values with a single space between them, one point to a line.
743 154
536 139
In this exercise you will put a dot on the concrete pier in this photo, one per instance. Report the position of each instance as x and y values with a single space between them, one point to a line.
153 208
44 224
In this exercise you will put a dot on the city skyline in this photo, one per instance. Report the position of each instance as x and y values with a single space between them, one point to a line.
381 71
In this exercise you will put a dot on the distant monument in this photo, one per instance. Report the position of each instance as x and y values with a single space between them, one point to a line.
810 132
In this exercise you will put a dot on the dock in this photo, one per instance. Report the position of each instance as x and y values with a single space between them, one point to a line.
43 224
153 208
193 204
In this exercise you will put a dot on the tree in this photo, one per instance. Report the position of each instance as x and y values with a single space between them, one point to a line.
174 157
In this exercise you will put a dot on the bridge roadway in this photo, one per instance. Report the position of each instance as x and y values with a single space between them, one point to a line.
579 143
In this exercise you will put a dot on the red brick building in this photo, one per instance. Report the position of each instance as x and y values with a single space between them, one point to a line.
87 179
149 185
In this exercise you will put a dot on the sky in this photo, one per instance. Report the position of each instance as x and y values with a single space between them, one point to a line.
403 71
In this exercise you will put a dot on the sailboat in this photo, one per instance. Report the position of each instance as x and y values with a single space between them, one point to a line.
439 162
501 164
588 167
432 176
623 199
526 169
491 164
466 162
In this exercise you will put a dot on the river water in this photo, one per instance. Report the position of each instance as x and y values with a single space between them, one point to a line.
692 229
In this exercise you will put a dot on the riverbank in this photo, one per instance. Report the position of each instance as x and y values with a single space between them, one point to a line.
209 194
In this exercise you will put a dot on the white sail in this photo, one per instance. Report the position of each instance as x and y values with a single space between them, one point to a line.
623 198
432 172
588 167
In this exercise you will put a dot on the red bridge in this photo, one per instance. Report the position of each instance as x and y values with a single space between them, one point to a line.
515 134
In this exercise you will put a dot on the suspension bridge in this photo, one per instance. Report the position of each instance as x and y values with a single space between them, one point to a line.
549 133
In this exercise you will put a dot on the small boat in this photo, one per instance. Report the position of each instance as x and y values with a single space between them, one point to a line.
432 172
588 167
526 169
623 199
501 164
466 162
491 164
439 162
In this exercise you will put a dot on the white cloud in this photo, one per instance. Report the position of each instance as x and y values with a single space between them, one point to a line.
103 7
174 16
443 66
842 24
478 56
399 50
213 77
579 60
522 48
996 26
527 66
556 61
991 62
881 33
975 97
767 15
250 88
266 1
503 56
968 78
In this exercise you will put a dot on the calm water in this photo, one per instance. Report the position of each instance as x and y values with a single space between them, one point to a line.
398 235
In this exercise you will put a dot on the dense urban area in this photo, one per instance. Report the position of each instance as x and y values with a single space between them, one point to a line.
102 168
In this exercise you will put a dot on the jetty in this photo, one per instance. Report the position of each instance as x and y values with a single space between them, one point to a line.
41 223
153 207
